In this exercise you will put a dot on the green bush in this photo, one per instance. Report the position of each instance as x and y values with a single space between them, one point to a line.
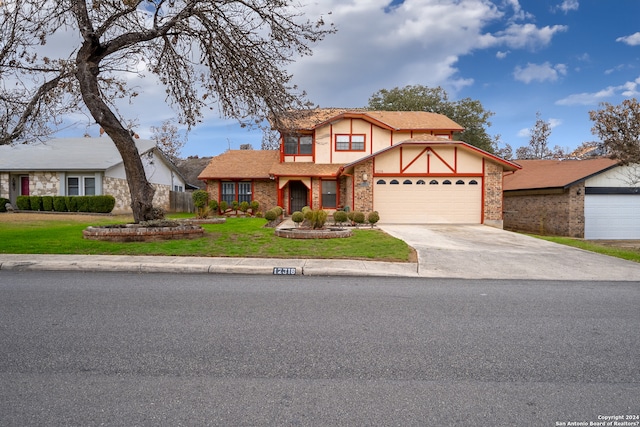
373 217
297 217
200 198
36 203
3 204
319 218
244 207
106 203
72 204
358 217
59 204
223 206
23 203
47 203
254 207
213 206
235 205
279 210
306 209
83 203
271 215
340 217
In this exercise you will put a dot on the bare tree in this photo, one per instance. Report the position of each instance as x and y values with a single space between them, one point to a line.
168 138
538 147
618 127
228 53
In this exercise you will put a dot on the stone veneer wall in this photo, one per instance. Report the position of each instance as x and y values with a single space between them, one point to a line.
4 185
44 184
493 174
560 214
119 189
363 189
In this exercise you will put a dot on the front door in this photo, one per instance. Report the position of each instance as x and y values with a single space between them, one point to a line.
24 185
298 196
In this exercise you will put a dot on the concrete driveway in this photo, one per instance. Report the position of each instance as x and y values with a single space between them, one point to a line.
483 252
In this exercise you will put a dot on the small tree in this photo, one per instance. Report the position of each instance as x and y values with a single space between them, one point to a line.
200 202
538 147
373 218
618 127
297 217
340 217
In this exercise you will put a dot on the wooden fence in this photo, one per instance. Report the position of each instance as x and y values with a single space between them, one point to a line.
180 202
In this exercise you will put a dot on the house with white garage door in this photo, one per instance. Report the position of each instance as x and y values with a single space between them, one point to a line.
591 199
404 164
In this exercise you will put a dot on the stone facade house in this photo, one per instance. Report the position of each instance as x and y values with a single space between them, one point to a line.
83 166
405 165
592 199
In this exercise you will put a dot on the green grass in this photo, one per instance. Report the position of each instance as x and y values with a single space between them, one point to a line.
628 254
238 237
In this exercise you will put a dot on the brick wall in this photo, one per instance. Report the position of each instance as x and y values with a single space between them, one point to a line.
363 189
264 192
559 213
493 194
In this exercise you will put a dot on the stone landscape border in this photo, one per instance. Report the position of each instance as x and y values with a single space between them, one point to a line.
307 233
139 233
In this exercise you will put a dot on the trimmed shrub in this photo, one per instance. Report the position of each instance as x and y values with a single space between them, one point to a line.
106 203
373 217
36 203
84 204
213 206
279 210
244 207
47 203
23 203
358 218
297 217
59 204
235 205
340 217
271 215
200 198
72 204
254 207
3 204
223 206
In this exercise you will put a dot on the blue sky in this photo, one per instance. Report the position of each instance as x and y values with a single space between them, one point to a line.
517 57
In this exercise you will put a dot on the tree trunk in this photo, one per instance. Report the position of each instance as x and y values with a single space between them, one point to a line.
141 190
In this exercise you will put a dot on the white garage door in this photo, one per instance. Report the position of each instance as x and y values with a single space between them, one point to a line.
428 200
612 216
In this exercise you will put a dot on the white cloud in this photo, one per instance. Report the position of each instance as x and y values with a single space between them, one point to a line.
567 6
632 40
502 55
627 89
541 73
529 36
554 123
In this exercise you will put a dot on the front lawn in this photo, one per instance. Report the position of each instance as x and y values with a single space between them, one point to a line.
238 237
616 251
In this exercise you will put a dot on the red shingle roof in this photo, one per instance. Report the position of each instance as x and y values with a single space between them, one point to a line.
241 164
537 174
394 120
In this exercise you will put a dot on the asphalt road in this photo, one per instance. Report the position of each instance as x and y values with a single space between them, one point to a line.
162 349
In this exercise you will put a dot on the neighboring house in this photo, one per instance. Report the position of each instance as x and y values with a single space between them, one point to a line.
83 166
404 165
591 199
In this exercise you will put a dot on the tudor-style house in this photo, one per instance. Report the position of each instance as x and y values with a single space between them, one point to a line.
405 165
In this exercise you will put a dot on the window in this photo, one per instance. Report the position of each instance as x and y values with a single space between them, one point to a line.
420 182
178 188
473 182
394 182
381 181
298 145
81 186
329 194
73 186
236 191
446 182
459 182
407 182
350 142
433 182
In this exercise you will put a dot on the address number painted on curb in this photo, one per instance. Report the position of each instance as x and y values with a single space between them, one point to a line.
284 270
